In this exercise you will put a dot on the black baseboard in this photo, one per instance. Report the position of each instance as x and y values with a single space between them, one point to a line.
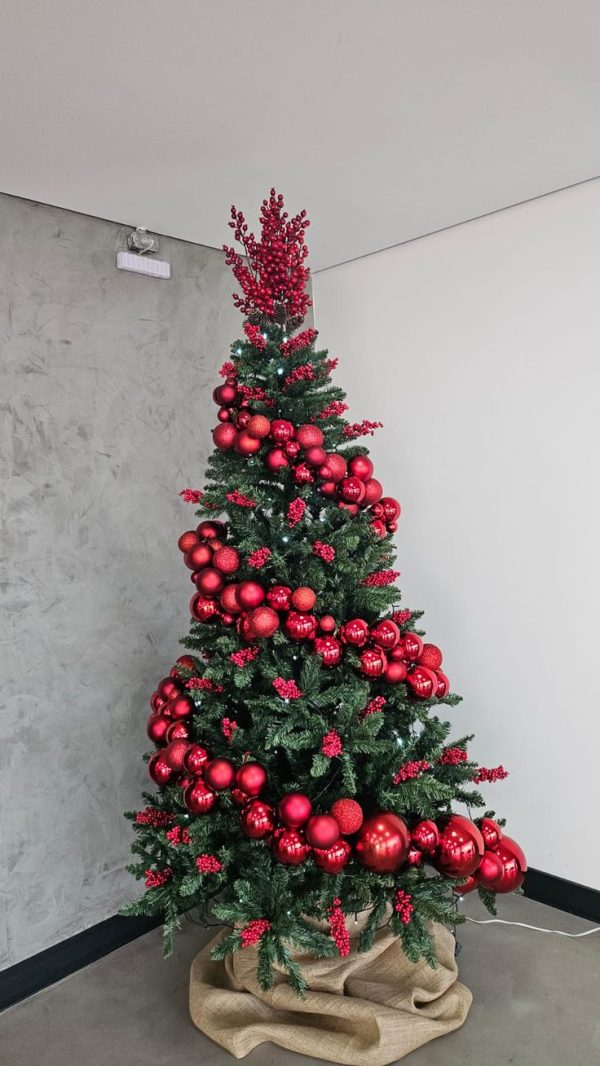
50 966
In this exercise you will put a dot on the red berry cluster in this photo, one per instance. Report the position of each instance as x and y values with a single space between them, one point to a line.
158 878
255 336
453 756
228 370
306 372
324 551
240 500
259 558
410 770
244 656
287 690
154 817
228 728
381 578
361 429
337 927
191 495
204 684
334 409
331 745
494 773
208 864
295 511
374 706
177 835
403 905
301 340
401 617
332 365
253 932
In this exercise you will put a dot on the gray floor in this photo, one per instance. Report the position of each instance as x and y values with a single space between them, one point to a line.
536 1003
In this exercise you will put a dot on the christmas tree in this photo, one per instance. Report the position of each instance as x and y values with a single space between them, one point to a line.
303 761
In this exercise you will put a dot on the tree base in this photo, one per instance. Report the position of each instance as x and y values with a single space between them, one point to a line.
362 1010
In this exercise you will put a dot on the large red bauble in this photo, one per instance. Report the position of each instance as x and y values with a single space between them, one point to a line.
423 682
279 597
322 831
249 594
195 758
514 866
219 774
263 622
251 778
443 685
395 672
290 847
430 656
210 581
159 770
490 869
258 820
303 599
227 560
352 490
210 530
356 632
336 466
177 731
328 489
315 456
224 436
385 634
373 662
276 459
228 599
225 394
199 556
391 508
361 467
327 623
309 436
202 608
244 444
333 859
174 753
295 809
301 626
199 798
383 843
258 426
181 707
329 649
187 540
281 430
291 449
157 727
373 491
490 831
348 815
426 836
461 847
411 646
168 688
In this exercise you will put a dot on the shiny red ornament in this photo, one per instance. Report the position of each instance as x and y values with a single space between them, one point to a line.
199 798
225 394
315 456
350 508
281 430
228 599
294 809
385 634
241 419
443 685
224 414
157 702
279 597
303 599
292 449
328 489
275 459
423 682
329 649
199 556
426 836
490 869
383 843
168 688
187 541
210 530
227 560
348 815
373 662
309 436
395 672
301 626
411 646
378 527
490 831
332 860
373 491
430 656
258 820
263 622
258 426
249 594
461 847
360 466
352 490
195 758
391 508
202 608
303 475
224 436
219 774
174 753
392 527
327 623
355 631
181 707
514 866
414 857
157 728
177 731
210 581
322 831
336 467
290 847
244 444
462 890
159 770
251 778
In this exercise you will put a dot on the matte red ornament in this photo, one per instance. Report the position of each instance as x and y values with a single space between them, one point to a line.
430 656
219 774
315 456
251 778
329 649
423 682
227 560
263 622
224 414
426 836
327 623
328 489
195 758
210 530
249 594
383 843
385 634
337 467
348 815
199 556
210 581
290 847
411 646
199 798
258 820
301 626
333 859
395 672
224 436
355 632
225 394
281 430
309 436
157 728
202 608
228 599
443 685
244 444
352 490
174 753
159 770
177 731
490 869
373 492
461 847
303 599
360 466
258 426
373 662
168 688
322 831
391 508
187 540
276 459
181 707
295 809
490 831
279 597
514 866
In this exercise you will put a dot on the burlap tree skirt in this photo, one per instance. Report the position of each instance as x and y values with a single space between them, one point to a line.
362 1010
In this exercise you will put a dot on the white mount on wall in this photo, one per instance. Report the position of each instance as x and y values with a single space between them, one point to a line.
142 244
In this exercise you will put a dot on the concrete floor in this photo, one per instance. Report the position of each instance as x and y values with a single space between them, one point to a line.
536 1003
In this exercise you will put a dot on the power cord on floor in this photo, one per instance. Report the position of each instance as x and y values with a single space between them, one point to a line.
537 928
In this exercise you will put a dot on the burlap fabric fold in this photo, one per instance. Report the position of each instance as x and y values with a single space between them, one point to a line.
362 1010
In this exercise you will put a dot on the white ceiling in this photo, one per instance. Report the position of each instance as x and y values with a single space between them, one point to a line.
386 119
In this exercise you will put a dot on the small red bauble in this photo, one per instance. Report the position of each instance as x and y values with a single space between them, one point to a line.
315 456
414 857
322 831
303 475
329 649
395 672
333 859
303 599
249 594
157 727
228 599
159 769
426 836
157 702
385 634
291 449
514 866
242 418
443 684
327 623
239 798
263 622
309 436
225 394
187 540
181 707
423 682
373 491
378 527
251 778
168 688
295 809
199 798
430 656
219 774
355 632
195 758
462 890
352 490
490 831
227 560
244 444
301 626
186 662
224 414
177 731
174 753
350 508
203 609
199 556
227 619
210 581
336 466
411 646
210 530
383 843
224 436
258 426
361 467
243 628
348 815
490 869
391 508
258 820
461 847
328 489
281 430
279 597
276 459
185 780
373 662
290 847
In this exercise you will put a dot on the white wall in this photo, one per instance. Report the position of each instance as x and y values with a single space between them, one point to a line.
479 348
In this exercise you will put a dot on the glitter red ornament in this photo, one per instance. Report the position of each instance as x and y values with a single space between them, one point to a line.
187 541
258 426
383 843
263 622
430 656
174 754
373 492
303 599
294 809
251 778
228 599
309 436
224 436
348 815
227 560
258 820
327 623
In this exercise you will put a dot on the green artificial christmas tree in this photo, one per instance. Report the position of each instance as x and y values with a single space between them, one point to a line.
302 756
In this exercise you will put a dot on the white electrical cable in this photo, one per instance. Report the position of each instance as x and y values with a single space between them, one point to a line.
536 928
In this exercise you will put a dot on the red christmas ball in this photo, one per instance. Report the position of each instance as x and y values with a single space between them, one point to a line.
414 857
177 731
443 685
224 436
328 489
373 662
249 594
244 444
276 459
251 778
309 436
239 798
327 623
461 847
373 491
210 530
159 769
322 831
329 649
333 859
227 560
301 626
157 702
219 774
258 426
291 449
426 836
195 758
378 527
157 728
303 475
385 634
263 622
514 866
224 414
187 541
355 632
395 672
281 430
295 809
490 869
225 394
383 843
181 707
468 886
174 753
203 609
290 847
199 798
315 456
168 688
228 599
258 820
185 780
210 581
391 508
490 831
423 682
227 619
303 599
199 556
337 467
360 466
279 597
242 418
186 662
243 627
352 490
348 815
350 508
430 656
410 646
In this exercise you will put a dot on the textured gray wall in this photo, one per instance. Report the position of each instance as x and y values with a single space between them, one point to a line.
105 391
